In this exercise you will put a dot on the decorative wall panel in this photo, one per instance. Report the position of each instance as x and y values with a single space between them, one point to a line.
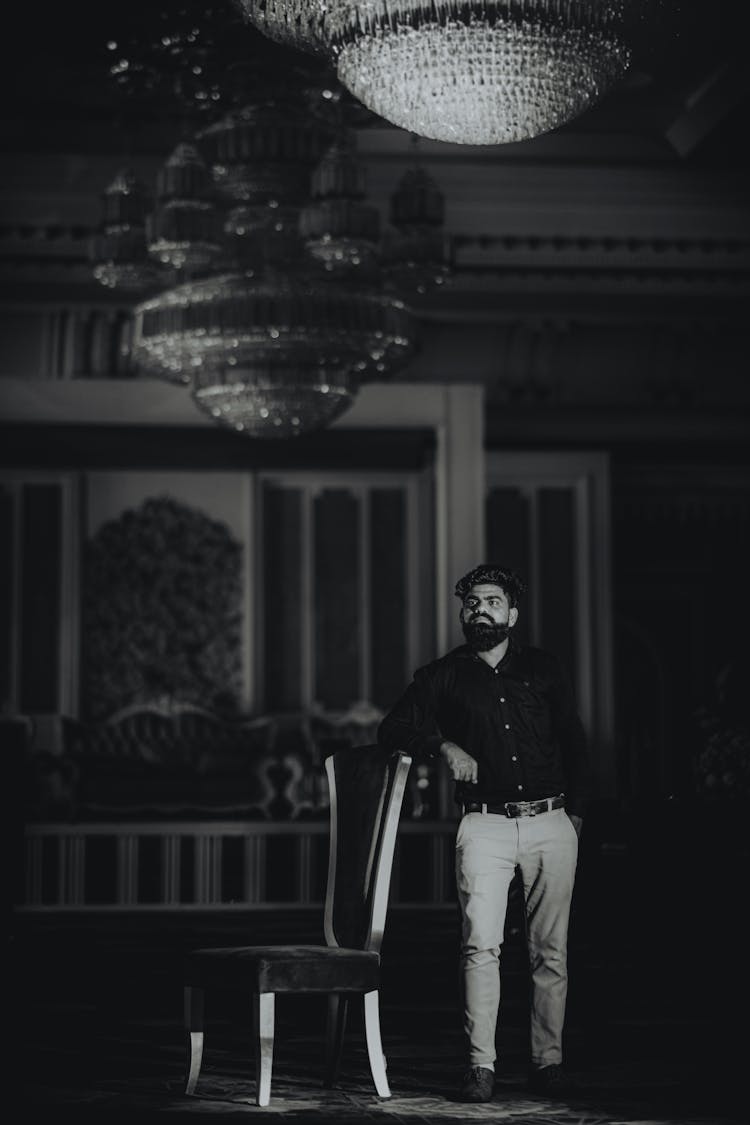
353 554
283 634
39 561
548 515
41 548
556 565
337 582
388 610
162 605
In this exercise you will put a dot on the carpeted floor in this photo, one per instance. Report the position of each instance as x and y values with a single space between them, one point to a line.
133 1068
97 1035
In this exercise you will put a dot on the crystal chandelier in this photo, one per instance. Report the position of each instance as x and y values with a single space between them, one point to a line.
226 324
271 323
274 344
271 355
416 255
472 72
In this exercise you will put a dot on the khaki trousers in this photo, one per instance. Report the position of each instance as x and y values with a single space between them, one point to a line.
489 849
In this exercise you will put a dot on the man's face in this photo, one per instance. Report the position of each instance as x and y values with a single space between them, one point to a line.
486 616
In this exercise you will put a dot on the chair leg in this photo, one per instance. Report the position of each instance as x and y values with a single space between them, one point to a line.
338 1005
194 999
374 1045
263 1011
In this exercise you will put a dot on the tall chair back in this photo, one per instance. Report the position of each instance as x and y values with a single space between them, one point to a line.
366 787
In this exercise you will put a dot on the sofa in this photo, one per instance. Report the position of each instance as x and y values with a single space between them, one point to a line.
171 760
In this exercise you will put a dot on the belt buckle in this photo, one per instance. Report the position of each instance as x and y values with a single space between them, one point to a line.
523 808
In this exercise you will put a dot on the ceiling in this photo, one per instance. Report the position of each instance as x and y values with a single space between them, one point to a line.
603 267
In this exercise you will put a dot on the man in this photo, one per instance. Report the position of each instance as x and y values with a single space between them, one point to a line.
504 720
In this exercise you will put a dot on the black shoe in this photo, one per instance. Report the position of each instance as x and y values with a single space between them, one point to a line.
478 1085
551 1080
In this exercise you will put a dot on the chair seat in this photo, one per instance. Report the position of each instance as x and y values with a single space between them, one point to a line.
285 968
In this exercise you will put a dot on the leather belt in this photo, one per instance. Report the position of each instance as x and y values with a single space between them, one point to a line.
517 808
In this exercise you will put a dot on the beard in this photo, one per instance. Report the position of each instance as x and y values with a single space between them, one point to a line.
481 636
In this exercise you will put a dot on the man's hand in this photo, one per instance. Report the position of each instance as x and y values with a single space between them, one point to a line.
462 766
576 821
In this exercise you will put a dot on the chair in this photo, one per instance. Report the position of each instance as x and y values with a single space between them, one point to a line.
366 787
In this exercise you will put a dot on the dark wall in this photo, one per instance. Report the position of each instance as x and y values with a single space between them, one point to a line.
681 557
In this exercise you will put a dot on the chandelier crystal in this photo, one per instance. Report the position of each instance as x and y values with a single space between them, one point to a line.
416 253
292 23
474 72
278 400
264 152
239 322
339 229
183 231
118 251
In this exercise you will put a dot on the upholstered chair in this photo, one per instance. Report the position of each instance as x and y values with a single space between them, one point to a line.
366 788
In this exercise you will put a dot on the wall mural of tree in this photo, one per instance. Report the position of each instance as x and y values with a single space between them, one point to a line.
162 611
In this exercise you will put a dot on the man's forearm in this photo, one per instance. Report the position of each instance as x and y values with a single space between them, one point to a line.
400 730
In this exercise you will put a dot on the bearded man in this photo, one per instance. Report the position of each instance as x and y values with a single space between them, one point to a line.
503 718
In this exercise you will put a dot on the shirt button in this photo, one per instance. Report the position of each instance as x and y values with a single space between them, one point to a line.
507 726
520 786
502 699
514 758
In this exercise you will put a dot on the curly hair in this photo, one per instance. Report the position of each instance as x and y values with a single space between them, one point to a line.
497 575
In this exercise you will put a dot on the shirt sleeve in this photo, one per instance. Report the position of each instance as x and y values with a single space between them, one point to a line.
573 742
411 724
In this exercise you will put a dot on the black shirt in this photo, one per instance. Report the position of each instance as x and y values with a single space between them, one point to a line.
518 720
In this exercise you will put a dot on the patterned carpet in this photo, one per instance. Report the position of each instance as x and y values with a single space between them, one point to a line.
104 1070
96 1034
